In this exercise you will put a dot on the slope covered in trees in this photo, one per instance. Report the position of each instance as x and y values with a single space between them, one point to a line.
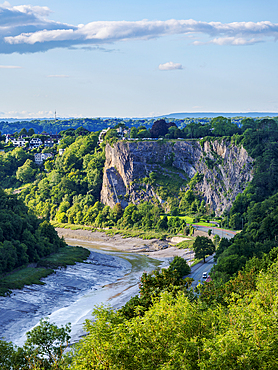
256 208
23 237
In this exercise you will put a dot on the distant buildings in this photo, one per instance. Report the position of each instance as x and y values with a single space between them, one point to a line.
20 142
35 142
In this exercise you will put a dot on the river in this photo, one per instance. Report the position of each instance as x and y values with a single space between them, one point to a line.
109 277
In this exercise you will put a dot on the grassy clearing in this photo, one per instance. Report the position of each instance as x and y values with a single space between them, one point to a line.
72 226
190 220
186 244
66 256
25 276
145 235
32 275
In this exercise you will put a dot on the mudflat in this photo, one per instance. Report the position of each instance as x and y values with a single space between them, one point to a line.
153 248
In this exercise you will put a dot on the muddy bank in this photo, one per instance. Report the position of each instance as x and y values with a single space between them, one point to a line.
153 248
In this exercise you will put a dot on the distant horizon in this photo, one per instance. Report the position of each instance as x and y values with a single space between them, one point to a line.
178 115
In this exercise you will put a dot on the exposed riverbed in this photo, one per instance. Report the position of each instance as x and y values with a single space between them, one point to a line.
109 276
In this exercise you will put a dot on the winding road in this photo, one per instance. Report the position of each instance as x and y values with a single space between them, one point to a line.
223 233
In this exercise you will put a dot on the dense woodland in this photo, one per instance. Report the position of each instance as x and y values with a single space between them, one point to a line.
23 237
229 324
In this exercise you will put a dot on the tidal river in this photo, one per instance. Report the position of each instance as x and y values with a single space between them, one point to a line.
109 277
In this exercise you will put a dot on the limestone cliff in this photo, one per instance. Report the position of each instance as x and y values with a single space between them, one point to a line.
226 169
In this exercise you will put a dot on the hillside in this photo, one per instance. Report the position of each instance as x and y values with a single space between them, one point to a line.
156 170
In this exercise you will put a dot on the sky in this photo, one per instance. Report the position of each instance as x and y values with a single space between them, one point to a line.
123 58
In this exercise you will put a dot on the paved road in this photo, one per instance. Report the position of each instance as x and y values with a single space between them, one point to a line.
197 270
215 230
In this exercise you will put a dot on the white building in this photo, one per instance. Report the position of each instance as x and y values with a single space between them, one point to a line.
16 142
49 143
40 157
35 143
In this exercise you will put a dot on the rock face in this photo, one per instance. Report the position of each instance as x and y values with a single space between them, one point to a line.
226 170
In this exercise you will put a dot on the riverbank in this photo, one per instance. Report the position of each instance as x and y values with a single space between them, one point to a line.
33 273
154 248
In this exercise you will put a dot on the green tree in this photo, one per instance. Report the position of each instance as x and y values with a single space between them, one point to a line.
133 132
202 247
23 132
163 223
45 345
31 132
26 173
180 265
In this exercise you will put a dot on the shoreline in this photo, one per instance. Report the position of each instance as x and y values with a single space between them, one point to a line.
153 248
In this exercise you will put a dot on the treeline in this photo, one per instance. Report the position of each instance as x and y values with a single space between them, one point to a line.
196 127
23 237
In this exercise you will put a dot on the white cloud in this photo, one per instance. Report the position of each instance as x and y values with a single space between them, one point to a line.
169 66
25 28
10 67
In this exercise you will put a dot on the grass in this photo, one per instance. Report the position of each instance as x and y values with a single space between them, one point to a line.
25 276
145 235
189 220
66 256
31 275
186 244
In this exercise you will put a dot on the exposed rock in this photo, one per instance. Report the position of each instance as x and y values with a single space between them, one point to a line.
227 170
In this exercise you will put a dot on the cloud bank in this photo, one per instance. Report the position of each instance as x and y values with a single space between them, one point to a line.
26 28
169 66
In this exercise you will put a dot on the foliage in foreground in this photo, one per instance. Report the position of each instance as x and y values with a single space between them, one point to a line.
179 334
43 349
154 283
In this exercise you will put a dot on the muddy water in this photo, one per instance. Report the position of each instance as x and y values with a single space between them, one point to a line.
109 277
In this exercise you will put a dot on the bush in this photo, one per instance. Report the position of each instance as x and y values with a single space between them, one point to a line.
180 265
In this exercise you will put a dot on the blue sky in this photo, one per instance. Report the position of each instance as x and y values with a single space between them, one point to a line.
136 59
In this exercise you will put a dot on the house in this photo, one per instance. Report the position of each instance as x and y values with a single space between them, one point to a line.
16 142
35 143
48 143
61 151
40 157
122 132
19 142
